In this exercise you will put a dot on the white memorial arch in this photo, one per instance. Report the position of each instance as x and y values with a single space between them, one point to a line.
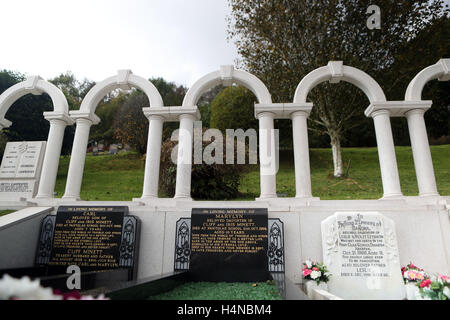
334 72
85 117
414 113
413 108
226 76
58 118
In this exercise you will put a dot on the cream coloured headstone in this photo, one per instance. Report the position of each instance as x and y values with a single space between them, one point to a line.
361 252
20 169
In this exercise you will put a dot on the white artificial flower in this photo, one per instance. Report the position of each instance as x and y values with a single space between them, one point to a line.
308 264
24 289
315 274
447 292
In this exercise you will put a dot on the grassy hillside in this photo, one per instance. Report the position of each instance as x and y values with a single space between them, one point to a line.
120 177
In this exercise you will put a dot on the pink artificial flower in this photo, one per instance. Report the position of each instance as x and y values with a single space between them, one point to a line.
315 269
306 272
412 275
444 278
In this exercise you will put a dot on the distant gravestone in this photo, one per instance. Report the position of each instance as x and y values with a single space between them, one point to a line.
360 250
20 169
113 149
95 151
229 245
93 238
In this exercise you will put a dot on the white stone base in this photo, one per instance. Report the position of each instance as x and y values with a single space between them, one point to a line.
422 227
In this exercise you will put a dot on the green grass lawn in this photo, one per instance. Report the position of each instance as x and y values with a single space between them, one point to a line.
221 291
120 177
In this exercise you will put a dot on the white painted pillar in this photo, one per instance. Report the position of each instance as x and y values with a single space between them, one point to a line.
386 154
301 154
268 155
184 158
421 153
51 158
77 159
152 161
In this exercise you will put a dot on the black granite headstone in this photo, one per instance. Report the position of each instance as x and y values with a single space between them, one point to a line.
229 245
91 237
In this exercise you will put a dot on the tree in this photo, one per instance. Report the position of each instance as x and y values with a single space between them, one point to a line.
106 111
233 108
172 95
73 89
204 104
130 123
280 41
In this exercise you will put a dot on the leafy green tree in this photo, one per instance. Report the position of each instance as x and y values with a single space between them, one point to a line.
281 41
233 108
106 111
73 89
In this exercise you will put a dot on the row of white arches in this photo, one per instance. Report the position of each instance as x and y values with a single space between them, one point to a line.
266 111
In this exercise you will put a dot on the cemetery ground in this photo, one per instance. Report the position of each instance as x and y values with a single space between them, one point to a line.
120 177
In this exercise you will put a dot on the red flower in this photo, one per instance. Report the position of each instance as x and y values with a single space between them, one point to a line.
316 269
425 283
306 272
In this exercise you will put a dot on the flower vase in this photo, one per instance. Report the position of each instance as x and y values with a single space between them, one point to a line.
310 285
412 291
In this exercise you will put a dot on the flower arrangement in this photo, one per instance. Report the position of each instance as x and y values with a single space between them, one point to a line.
435 288
27 289
313 270
413 274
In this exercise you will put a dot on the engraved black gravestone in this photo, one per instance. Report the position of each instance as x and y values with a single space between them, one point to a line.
229 245
91 237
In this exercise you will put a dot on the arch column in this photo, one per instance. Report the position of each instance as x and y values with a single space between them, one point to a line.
78 156
152 161
58 123
301 153
184 158
421 152
268 155
386 150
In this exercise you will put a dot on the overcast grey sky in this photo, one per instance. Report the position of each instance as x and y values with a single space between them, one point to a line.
180 40
177 39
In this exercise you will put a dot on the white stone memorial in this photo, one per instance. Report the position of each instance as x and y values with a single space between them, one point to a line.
20 169
361 252
359 247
